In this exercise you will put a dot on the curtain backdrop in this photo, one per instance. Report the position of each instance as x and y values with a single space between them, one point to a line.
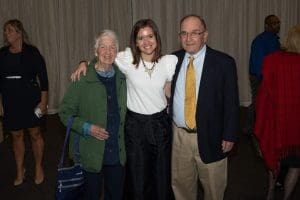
64 30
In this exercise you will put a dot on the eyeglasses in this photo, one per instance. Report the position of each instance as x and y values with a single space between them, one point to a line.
193 34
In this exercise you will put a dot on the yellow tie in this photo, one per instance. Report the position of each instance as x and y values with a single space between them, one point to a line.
190 96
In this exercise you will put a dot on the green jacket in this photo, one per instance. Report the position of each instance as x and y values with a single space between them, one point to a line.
86 100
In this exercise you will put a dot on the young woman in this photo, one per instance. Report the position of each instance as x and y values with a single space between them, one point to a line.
148 127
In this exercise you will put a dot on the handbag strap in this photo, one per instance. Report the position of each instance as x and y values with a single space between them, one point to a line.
76 149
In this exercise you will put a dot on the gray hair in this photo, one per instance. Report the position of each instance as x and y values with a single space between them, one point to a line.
108 33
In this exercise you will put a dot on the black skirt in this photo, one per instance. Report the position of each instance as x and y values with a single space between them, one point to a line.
291 161
20 97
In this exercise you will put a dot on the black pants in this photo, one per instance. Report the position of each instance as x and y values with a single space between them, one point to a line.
148 147
112 175
254 83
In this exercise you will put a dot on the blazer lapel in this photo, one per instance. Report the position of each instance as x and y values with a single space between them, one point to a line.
206 69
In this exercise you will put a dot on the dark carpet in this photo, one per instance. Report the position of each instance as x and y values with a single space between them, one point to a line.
247 177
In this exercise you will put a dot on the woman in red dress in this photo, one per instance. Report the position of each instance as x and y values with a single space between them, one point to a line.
277 125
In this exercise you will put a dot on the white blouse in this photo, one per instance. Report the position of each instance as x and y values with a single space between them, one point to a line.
145 93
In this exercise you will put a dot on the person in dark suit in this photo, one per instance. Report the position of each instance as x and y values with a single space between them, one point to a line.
205 121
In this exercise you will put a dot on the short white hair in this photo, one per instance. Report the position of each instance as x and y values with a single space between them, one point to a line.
108 33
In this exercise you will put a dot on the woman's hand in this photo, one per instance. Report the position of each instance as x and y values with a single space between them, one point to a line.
43 105
82 67
98 132
43 108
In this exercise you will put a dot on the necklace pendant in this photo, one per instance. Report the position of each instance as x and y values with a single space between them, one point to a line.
149 71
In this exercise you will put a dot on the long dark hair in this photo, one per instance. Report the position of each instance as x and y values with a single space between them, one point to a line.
17 24
136 52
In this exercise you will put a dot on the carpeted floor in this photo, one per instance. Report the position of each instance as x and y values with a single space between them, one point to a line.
247 178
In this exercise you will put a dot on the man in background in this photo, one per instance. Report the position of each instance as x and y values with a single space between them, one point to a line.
263 44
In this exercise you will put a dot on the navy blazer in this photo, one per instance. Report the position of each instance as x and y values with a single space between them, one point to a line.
217 114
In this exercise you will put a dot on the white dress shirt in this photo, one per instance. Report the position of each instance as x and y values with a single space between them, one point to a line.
179 94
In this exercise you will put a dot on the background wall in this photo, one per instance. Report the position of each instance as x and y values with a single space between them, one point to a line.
64 30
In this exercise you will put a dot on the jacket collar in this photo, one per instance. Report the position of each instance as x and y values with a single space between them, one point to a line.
91 74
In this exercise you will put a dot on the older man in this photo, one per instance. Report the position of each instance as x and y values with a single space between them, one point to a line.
205 107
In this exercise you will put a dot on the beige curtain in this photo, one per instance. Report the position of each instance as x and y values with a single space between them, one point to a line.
64 30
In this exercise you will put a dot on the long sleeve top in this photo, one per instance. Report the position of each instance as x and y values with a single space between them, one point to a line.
264 44
278 108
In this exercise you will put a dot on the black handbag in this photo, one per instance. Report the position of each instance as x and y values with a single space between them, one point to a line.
69 180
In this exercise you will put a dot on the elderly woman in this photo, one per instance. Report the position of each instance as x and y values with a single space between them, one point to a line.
24 100
277 125
98 104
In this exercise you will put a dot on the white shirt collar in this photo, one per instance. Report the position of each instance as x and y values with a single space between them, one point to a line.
196 55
